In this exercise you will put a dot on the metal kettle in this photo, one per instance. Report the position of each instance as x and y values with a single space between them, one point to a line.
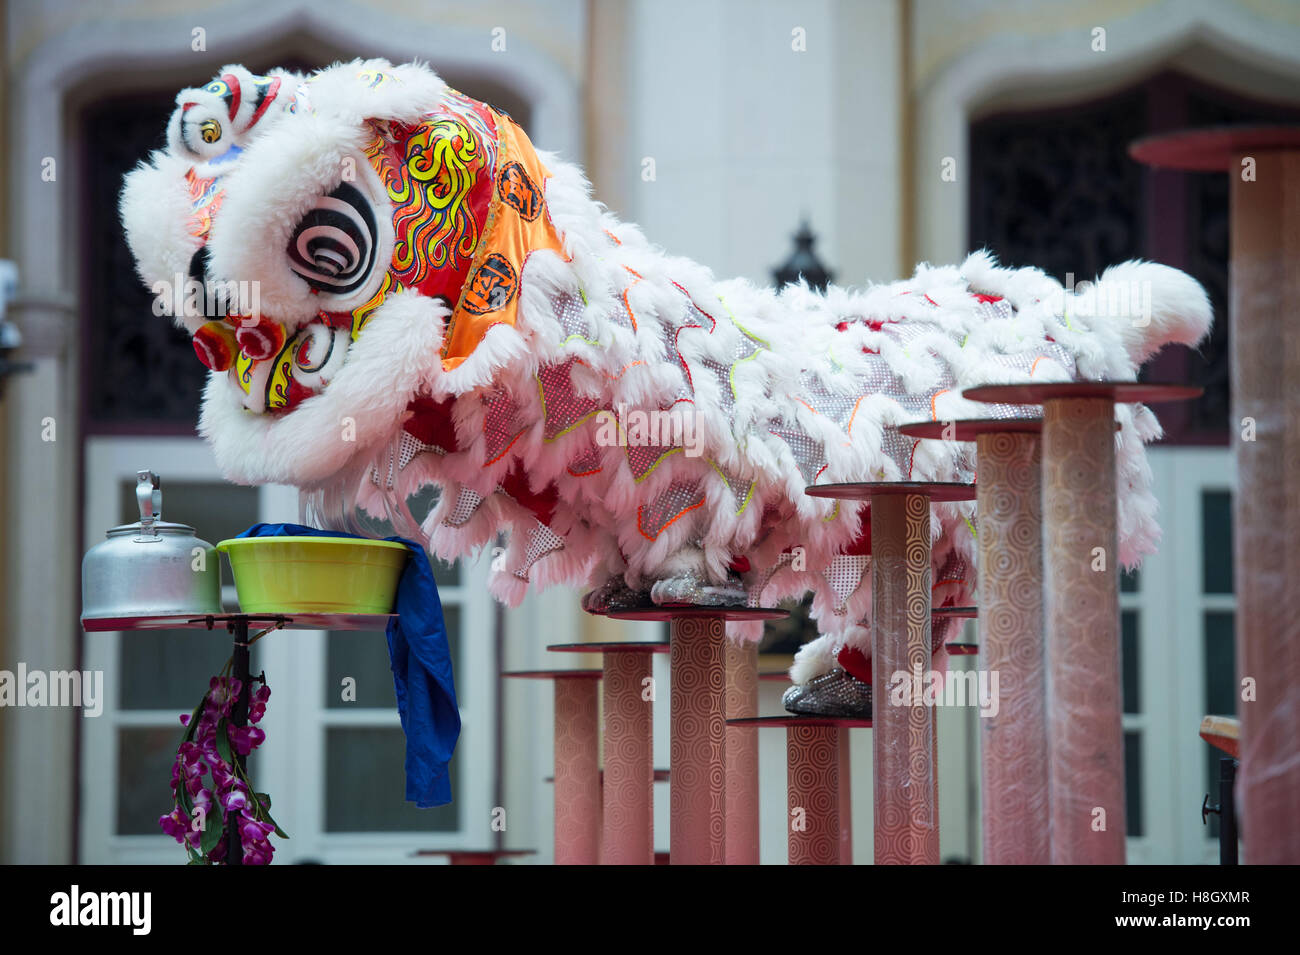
151 568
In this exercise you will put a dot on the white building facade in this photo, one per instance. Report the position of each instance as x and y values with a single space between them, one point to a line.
716 125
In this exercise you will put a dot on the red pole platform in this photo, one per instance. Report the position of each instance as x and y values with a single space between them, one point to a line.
697 788
627 836
903 734
741 755
577 764
819 811
1263 166
1081 607
1016 824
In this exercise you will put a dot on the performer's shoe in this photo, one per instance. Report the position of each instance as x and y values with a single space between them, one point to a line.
832 694
695 590
614 595
684 590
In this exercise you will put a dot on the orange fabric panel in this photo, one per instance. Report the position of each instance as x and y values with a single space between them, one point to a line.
519 223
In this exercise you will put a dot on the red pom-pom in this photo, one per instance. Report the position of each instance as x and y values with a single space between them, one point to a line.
261 340
214 343
856 663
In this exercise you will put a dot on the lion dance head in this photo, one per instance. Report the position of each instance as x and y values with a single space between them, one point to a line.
332 233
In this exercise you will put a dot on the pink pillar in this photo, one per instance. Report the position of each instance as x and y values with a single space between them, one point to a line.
1263 167
698 738
812 755
1014 777
1265 243
577 768
934 762
1082 610
1080 606
741 702
906 811
629 761
846 799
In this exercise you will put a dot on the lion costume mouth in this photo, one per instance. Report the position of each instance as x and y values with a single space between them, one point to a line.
277 370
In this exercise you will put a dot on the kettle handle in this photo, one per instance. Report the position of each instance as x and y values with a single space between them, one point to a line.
148 494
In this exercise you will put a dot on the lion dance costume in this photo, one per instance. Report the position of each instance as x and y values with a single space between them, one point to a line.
393 289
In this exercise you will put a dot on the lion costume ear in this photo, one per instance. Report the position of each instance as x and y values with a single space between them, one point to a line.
227 113
373 90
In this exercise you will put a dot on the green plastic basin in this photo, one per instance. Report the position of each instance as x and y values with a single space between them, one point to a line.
315 574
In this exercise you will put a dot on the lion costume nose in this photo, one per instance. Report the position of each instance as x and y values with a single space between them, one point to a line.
259 339
215 345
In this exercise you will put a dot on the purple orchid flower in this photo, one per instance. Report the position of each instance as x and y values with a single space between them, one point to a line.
199 757
245 739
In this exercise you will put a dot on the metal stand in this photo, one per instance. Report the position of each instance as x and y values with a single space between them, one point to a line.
1226 810
238 717
237 624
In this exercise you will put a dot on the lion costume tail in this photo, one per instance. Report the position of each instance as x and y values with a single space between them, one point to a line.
1114 325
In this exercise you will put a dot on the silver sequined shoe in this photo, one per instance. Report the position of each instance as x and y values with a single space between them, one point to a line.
832 694
614 595
694 589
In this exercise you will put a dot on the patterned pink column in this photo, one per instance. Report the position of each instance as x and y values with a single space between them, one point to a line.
741 702
846 799
577 772
1082 611
1264 240
697 790
934 759
906 813
1014 754
812 757
1265 245
629 761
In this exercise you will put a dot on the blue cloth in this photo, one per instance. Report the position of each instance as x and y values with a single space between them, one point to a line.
422 674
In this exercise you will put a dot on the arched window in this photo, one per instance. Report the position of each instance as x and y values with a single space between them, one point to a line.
1056 188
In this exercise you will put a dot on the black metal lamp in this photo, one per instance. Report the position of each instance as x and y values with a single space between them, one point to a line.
803 262
10 337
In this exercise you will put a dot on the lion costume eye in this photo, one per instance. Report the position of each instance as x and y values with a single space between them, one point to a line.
333 247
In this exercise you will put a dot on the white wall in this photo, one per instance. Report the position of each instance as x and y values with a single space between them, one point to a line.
748 135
